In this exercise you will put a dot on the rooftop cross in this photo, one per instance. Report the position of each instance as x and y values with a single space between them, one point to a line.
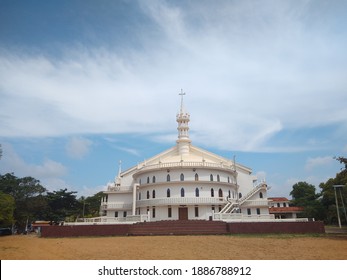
119 167
182 93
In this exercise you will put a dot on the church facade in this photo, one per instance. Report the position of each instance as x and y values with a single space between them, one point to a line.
185 182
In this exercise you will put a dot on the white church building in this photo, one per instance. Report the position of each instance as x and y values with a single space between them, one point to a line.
185 182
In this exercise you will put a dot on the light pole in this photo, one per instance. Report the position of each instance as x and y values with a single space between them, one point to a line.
337 205
343 205
84 207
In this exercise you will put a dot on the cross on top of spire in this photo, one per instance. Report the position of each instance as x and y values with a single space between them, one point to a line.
182 93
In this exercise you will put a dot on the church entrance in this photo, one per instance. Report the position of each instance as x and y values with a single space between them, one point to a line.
183 213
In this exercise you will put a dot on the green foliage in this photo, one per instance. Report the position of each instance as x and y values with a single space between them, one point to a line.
303 192
62 204
31 202
20 188
342 160
92 205
304 195
28 195
328 199
7 205
322 205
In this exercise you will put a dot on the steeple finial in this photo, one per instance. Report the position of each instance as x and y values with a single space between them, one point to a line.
182 93
117 180
119 168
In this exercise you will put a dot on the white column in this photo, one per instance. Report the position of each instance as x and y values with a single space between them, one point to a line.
134 198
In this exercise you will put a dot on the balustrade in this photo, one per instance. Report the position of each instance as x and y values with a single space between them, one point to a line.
120 189
109 206
180 201
255 203
188 164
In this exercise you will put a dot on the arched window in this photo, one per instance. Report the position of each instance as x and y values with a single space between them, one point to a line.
168 193
139 196
147 180
229 194
212 192
140 182
153 179
228 179
211 177
147 194
182 177
153 194
260 195
196 177
168 178
182 192
220 193
240 195
218 178
197 192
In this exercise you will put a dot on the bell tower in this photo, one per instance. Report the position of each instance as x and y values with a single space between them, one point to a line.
182 119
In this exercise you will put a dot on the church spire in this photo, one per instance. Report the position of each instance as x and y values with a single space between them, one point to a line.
182 119
118 178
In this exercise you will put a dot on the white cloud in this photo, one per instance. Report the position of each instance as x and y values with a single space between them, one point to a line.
250 70
129 150
313 163
90 191
78 147
49 172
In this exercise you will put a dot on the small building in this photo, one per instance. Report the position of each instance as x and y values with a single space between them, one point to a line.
37 225
281 209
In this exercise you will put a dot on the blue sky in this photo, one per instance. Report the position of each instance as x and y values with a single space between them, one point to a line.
85 84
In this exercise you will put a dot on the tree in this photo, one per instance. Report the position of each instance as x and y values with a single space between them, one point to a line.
91 205
302 192
7 205
28 194
62 205
342 160
20 188
305 195
328 194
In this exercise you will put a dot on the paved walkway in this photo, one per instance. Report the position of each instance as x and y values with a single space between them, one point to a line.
336 229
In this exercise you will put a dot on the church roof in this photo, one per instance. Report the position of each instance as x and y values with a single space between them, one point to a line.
289 209
196 156
278 199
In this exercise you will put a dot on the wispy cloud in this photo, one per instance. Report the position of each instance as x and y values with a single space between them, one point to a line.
129 151
250 71
51 173
78 147
313 163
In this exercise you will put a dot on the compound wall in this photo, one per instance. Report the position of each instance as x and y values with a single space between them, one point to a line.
230 228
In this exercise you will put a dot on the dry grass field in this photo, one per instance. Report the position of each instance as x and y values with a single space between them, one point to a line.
240 247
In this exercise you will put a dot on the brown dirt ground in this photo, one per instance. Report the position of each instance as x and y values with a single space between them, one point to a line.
240 247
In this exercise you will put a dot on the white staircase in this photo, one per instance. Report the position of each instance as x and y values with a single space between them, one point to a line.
232 206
